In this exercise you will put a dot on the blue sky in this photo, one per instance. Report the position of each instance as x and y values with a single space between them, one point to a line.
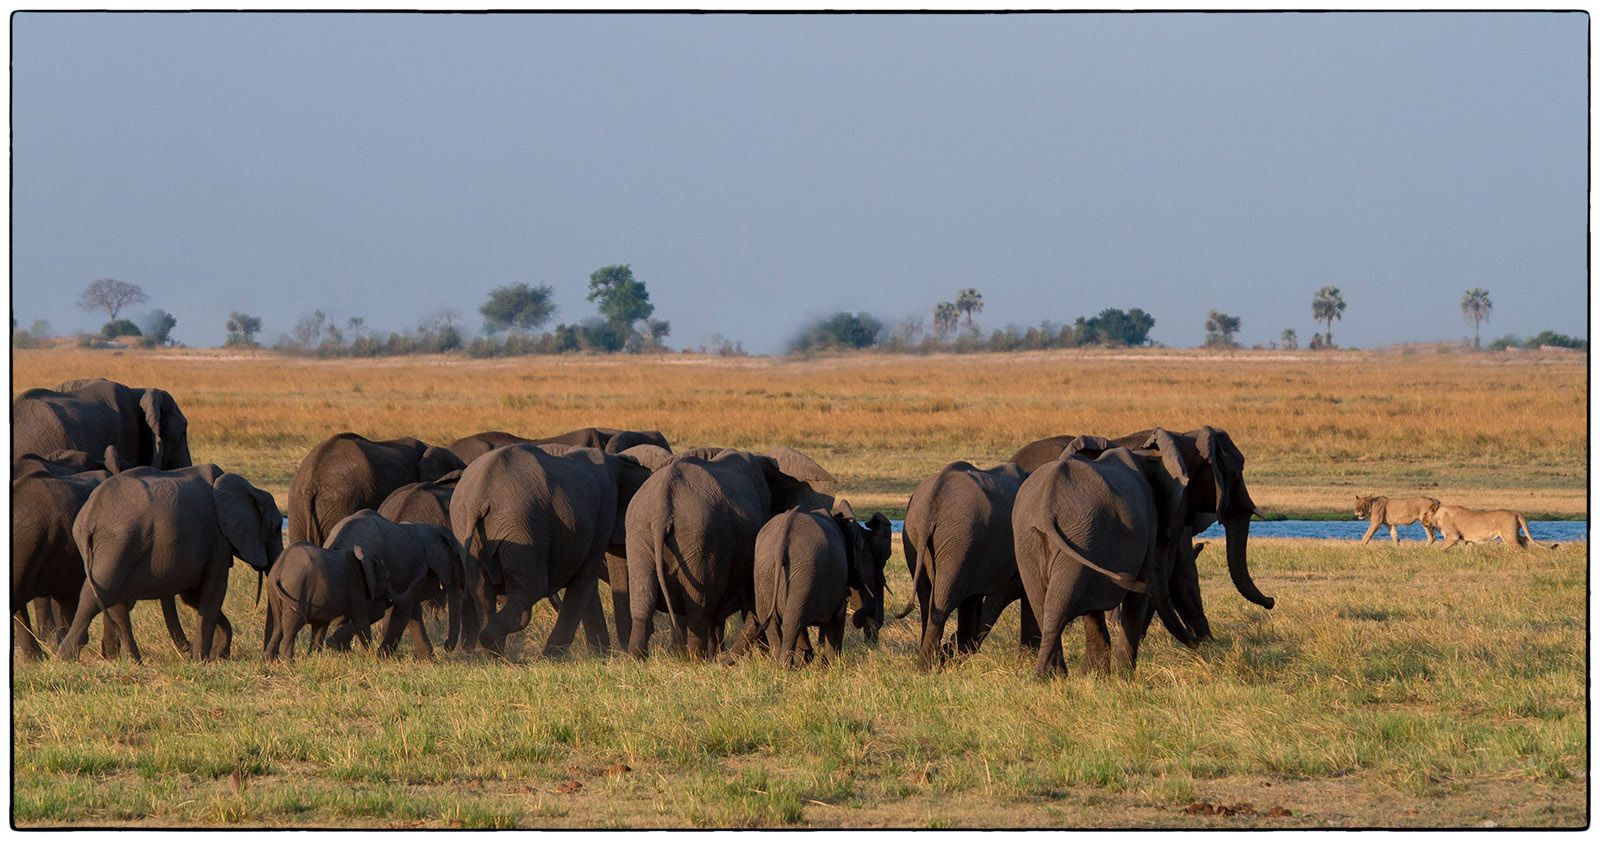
759 170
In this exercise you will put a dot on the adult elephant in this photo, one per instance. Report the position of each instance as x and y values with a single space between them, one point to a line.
535 520
144 424
1216 492
1097 536
47 491
691 535
348 472
958 547
149 534
610 440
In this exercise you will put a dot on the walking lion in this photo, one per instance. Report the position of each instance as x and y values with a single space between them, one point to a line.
1400 511
1468 525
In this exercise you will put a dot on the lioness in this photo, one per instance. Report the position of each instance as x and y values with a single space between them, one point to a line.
1395 512
1457 525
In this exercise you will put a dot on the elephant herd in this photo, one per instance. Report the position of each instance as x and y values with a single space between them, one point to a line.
108 510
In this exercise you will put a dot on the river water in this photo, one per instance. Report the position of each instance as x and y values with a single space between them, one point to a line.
1544 531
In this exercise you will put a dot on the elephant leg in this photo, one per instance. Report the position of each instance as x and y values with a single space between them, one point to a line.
1131 619
110 639
1096 640
421 646
574 608
932 653
1052 622
831 638
453 600
1372 529
272 643
595 632
224 641
394 626
77 635
969 625
292 633
119 615
774 634
787 651
22 632
319 637
510 619
621 606
344 631
213 590
749 635
1028 638
169 613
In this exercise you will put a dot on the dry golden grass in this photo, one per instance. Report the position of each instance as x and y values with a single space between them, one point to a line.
1508 430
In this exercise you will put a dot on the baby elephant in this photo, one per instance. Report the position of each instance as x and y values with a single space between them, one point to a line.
808 564
418 559
313 586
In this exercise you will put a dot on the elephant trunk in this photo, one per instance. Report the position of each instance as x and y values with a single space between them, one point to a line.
1238 530
910 603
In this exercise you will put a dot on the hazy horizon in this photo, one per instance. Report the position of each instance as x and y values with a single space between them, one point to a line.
757 171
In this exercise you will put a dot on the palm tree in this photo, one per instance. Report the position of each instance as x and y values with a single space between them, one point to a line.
1328 306
1476 306
945 316
969 301
1291 341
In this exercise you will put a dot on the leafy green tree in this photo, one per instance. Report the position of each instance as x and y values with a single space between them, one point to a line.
1220 329
945 317
969 301
518 306
840 330
242 330
158 327
1115 327
620 297
1550 338
1475 307
1328 306
120 327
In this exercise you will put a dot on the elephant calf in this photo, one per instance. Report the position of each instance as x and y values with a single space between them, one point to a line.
313 586
418 559
807 565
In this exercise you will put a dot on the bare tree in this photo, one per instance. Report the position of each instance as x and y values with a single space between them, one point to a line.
111 295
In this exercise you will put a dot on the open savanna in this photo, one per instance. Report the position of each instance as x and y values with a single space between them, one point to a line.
1505 430
1391 686
1395 686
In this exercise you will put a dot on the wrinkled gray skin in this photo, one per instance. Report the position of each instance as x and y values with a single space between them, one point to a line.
1216 492
348 472
691 533
144 424
536 520
149 534
1092 537
313 586
601 438
47 492
417 560
959 549
807 565
429 502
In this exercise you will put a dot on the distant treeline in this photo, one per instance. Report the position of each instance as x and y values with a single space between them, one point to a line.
860 331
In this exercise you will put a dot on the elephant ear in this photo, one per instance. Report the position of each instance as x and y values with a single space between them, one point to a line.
800 466
369 574
444 556
240 518
1227 470
789 491
451 478
1170 481
166 428
113 460
881 538
843 508
1090 445
437 462
649 455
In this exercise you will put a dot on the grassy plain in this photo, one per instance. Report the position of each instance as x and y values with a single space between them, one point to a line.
1394 686
1502 430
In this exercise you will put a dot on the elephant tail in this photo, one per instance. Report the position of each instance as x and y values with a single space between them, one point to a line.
1121 579
303 523
474 551
661 573
924 558
85 541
